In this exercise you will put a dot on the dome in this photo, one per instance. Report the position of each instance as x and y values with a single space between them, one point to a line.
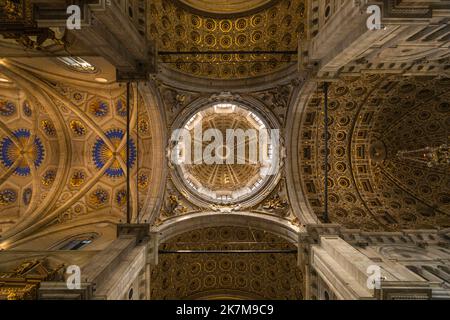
236 160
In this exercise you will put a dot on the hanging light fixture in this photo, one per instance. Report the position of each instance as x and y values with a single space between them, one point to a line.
78 64
431 156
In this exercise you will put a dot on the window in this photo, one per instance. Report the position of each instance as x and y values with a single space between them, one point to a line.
76 244
78 64
130 294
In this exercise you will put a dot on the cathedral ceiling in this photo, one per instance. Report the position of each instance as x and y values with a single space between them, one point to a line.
63 152
277 27
229 276
375 182
62 156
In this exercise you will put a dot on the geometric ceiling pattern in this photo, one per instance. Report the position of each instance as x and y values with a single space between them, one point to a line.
177 28
28 142
248 276
373 121
63 154
266 198
220 181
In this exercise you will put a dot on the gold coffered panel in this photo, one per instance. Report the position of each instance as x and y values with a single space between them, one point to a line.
226 177
227 275
177 29
374 121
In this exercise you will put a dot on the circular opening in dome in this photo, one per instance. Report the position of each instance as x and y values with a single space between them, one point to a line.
225 153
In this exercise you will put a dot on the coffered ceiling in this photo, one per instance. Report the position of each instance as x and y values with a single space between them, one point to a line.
227 276
381 176
227 40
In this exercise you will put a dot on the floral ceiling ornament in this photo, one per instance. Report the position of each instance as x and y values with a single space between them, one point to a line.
101 153
26 196
121 108
143 180
78 178
10 152
7 197
99 197
49 177
26 107
121 198
143 126
7 108
48 127
99 108
78 128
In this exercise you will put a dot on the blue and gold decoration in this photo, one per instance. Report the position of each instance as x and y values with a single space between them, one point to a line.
49 177
26 196
121 108
78 178
78 128
9 152
48 127
26 107
121 198
99 197
7 197
7 108
143 180
101 154
99 108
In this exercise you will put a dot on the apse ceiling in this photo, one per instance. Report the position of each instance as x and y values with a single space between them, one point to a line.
228 40
382 177
248 276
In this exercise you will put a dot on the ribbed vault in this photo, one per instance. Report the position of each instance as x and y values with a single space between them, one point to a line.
63 154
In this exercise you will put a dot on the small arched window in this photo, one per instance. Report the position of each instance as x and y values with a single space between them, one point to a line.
130 294
76 242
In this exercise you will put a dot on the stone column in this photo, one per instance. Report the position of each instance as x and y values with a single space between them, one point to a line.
351 275
152 260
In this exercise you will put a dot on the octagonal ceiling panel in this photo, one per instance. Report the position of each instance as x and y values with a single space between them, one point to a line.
234 171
